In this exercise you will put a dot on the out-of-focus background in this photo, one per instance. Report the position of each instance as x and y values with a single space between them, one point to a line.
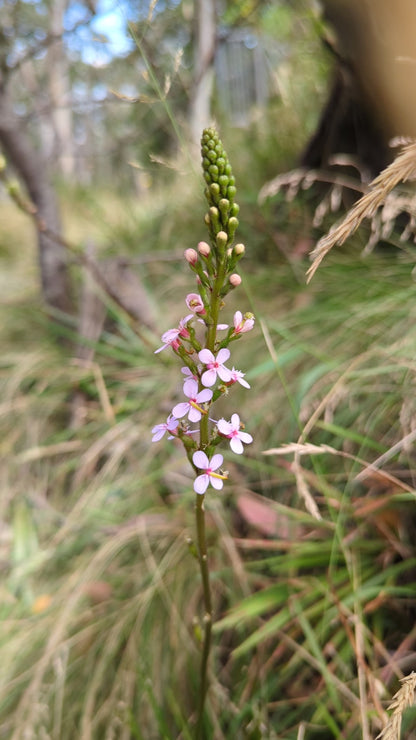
102 105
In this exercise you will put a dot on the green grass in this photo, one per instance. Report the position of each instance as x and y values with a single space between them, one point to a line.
100 591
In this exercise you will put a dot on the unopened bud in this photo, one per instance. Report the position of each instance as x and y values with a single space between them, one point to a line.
239 250
232 226
221 239
191 256
235 280
204 249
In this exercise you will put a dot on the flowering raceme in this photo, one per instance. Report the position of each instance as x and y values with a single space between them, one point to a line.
203 353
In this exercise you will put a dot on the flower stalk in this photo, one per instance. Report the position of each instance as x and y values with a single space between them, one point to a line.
200 342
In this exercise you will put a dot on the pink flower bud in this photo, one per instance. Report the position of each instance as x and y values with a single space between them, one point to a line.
191 256
195 303
235 280
204 249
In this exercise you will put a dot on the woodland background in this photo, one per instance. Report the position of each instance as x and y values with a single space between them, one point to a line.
313 557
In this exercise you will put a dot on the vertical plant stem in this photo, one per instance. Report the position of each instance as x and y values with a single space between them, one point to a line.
207 619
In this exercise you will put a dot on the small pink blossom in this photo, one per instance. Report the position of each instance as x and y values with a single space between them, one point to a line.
215 366
193 406
238 377
231 429
195 303
242 324
159 430
171 338
201 462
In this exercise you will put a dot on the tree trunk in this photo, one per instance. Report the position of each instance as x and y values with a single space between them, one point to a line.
373 97
204 55
60 94
32 170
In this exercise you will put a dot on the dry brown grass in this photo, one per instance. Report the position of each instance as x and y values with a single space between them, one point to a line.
403 699
403 168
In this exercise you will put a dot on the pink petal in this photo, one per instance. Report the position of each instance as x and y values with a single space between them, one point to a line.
216 461
190 388
180 410
194 414
224 427
235 421
209 377
238 317
206 356
236 446
245 437
243 382
224 374
204 396
201 483
216 483
223 355
157 434
200 460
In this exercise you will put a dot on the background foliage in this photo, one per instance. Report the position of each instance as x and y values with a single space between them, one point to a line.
315 609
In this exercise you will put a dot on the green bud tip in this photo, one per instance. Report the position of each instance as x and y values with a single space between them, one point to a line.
221 239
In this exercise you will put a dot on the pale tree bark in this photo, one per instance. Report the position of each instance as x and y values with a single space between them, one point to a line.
204 56
32 170
60 93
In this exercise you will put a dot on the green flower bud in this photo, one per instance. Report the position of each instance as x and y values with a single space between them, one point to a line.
214 190
213 171
214 216
232 226
221 239
235 209
231 192
224 206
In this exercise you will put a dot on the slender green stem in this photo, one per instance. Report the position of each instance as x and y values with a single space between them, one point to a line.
207 619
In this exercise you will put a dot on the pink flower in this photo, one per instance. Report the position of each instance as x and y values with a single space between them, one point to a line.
195 303
242 324
238 377
193 406
201 462
215 366
159 430
231 429
171 337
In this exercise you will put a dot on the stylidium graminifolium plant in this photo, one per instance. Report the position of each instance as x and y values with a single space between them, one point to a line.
199 340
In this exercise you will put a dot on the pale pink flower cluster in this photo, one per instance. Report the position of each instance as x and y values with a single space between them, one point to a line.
206 377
